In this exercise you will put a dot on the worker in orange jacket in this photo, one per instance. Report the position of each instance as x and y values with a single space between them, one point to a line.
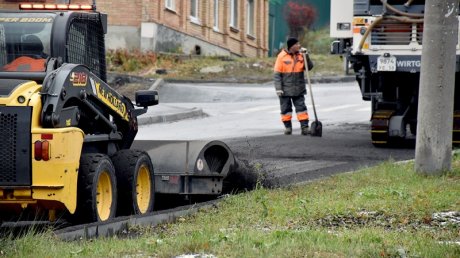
290 85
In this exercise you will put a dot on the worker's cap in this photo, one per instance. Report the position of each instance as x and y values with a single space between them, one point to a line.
291 42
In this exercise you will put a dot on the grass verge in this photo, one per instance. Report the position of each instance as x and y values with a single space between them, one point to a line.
215 68
384 211
176 66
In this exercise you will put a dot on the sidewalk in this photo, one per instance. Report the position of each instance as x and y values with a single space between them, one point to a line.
162 112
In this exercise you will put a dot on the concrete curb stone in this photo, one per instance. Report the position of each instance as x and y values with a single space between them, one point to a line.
171 117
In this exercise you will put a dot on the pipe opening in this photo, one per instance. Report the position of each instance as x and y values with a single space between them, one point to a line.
216 157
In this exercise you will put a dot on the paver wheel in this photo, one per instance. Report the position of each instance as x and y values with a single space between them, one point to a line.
135 177
97 189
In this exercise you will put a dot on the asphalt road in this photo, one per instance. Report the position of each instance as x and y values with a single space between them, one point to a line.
246 118
285 160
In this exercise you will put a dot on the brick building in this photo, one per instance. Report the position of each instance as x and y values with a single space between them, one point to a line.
206 27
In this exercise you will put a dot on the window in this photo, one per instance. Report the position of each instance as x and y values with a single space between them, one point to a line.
170 4
250 17
216 15
194 11
234 14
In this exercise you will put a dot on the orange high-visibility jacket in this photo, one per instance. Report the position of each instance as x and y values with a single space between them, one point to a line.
289 73
25 64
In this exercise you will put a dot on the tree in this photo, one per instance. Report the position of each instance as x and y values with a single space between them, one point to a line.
299 17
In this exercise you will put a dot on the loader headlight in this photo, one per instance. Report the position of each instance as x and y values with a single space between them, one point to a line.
21 99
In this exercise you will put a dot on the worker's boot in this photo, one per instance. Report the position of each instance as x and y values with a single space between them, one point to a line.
305 130
288 130
287 127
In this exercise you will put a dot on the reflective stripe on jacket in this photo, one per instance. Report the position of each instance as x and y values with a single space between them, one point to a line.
289 73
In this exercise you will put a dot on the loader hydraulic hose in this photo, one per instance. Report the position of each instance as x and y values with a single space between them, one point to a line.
391 8
406 18
408 3
368 30
379 20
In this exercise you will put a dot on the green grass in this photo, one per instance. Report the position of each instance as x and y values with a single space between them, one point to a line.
384 211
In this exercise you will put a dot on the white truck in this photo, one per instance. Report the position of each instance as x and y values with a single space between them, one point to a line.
381 40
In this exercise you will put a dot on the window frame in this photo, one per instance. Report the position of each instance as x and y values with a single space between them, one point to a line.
194 11
250 18
170 5
234 14
216 15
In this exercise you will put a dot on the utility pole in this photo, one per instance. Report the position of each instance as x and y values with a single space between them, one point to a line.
433 150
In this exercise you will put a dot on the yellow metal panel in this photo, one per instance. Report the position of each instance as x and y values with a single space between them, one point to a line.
56 179
22 193
26 90
36 103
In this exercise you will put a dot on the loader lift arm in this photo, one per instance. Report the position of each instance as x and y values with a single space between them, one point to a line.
73 96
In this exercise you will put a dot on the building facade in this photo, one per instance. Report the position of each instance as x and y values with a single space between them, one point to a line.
201 27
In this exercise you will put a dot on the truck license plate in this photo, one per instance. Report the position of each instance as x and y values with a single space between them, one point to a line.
386 64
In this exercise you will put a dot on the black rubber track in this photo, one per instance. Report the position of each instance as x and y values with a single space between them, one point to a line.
127 164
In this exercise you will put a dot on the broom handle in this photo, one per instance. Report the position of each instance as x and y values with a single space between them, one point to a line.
305 62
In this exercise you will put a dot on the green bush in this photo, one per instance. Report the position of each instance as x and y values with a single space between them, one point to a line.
317 41
129 60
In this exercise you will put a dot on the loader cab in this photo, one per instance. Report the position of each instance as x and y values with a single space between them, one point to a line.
34 42
24 42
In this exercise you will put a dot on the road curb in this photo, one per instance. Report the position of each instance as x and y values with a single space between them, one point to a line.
191 113
157 84
121 225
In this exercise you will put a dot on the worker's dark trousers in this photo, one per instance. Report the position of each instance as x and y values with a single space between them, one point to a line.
300 109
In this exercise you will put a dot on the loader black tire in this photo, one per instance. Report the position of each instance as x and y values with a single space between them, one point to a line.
97 189
135 177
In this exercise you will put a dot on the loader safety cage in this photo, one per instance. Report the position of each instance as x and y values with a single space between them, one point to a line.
32 40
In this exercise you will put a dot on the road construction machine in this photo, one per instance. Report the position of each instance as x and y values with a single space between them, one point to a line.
68 138
381 41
